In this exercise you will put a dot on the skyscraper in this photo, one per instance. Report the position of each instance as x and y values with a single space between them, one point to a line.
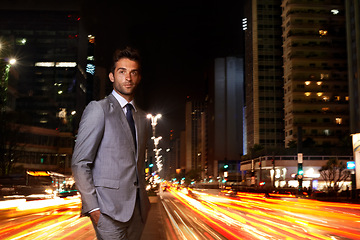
263 73
50 83
196 136
315 71
228 108
50 45
353 53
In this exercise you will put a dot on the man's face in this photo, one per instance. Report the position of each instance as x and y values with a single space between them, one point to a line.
125 78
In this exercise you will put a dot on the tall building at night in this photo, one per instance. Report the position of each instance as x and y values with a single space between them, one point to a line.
196 139
228 108
51 48
263 73
51 81
315 71
353 53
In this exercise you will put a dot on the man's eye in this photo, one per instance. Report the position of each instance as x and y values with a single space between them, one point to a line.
134 73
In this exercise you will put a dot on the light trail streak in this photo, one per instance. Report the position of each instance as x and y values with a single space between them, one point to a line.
73 232
43 229
41 219
275 218
200 209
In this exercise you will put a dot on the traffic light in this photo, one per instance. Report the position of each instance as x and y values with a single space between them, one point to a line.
300 170
226 166
300 175
150 164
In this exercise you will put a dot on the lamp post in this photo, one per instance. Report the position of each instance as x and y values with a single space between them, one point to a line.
156 140
153 121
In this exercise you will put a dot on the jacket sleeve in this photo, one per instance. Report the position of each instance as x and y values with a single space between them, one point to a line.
89 136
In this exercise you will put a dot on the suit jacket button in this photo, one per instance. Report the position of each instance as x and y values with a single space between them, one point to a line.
135 183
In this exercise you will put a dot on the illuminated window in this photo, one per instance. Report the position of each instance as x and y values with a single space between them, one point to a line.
20 41
325 98
319 83
65 64
307 83
347 98
327 132
334 11
307 94
338 120
90 68
324 76
44 64
244 23
325 109
319 94
337 98
91 38
323 32
57 64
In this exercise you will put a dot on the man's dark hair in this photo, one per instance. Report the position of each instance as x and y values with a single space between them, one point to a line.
130 53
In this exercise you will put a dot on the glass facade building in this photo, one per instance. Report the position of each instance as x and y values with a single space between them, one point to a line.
263 74
51 66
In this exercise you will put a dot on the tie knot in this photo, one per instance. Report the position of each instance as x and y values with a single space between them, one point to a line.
129 107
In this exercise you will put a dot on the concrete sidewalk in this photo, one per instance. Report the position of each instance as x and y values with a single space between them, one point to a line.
155 224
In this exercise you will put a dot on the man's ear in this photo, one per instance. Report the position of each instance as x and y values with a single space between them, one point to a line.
111 76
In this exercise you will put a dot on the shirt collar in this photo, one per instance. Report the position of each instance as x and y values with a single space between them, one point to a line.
122 101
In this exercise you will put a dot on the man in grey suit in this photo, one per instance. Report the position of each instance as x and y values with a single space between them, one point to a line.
108 158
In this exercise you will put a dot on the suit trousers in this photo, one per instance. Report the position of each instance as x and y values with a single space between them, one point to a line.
110 229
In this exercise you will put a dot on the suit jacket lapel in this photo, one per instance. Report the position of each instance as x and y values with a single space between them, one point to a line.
139 130
122 118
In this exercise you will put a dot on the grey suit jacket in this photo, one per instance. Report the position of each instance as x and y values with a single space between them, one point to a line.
105 163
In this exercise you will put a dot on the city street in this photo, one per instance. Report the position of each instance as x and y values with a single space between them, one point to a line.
44 219
251 216
193 214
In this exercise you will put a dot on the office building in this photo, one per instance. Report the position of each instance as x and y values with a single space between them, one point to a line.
225 115
263 74
51 48
315 71
228 108
353 54
50 83
196 140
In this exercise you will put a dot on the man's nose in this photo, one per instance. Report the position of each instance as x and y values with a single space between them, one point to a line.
127 76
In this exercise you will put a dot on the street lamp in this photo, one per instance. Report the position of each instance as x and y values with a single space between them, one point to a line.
12 61
156 140
153 121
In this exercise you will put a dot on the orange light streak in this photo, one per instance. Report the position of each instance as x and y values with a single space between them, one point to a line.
283 219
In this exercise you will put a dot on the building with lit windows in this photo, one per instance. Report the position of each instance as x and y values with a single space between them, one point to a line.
44 149
263 74
316 95
51 82
51 48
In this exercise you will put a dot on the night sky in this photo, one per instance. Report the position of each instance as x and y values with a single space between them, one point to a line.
178 41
